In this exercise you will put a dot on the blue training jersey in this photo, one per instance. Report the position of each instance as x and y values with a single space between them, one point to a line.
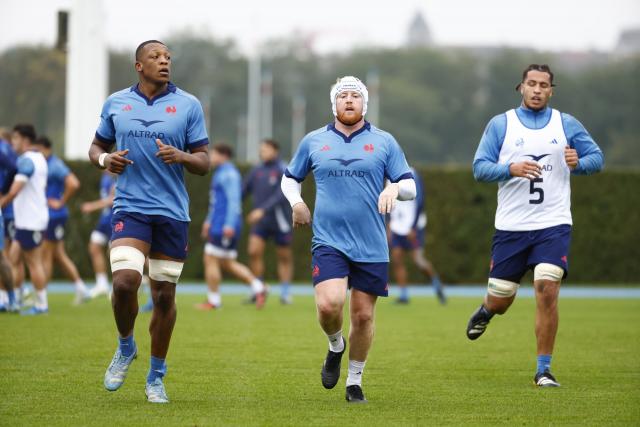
485 163
349 174
8 159
225 197
132 121
107 182
57 173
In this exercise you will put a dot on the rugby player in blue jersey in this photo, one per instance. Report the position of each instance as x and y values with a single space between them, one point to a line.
531 152
101 235
61 185
7 172
148 134
222 228
270 217
350 160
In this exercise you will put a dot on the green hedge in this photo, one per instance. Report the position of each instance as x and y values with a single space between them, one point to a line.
461 212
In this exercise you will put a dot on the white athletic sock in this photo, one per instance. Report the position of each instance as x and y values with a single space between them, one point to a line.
214 298
336 344
80 286
355 372
102 281
41 299
4 297
257 286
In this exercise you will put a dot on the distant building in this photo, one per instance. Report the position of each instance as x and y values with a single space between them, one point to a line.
629 42
419 34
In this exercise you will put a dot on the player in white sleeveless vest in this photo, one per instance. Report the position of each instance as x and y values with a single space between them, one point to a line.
531 152
31 213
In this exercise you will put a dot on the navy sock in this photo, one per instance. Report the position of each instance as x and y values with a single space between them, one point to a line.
404 293
127 345
544 363
158 369
12 297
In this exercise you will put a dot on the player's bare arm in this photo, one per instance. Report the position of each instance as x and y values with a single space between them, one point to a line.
114 162
16 187
196 162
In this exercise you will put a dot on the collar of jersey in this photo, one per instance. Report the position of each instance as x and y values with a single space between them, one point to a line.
171 88
348 139
533 119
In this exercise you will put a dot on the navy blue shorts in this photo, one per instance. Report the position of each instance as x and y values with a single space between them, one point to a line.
515 252
166 235
225 243
400 241
270 230
9 229
55 229
28 239
370 277
104 227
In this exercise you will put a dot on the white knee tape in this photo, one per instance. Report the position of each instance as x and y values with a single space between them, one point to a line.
502 288
546 271
126 258
162 270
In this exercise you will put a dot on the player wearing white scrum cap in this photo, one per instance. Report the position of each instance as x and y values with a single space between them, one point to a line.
350 159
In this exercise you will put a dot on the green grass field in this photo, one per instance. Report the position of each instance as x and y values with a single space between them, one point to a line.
238 366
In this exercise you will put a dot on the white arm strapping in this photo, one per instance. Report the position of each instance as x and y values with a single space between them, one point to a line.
291 190
407 189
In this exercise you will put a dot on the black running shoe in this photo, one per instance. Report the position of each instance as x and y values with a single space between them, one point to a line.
478 323
545 379
331 367
355 394
402 301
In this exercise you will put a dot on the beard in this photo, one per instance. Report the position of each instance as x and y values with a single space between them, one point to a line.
348 119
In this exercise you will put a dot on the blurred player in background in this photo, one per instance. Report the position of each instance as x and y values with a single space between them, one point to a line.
158 131
28 194
222 230
532 151
7 211
61 185
350 159
270 217
407 226
7 172
101 235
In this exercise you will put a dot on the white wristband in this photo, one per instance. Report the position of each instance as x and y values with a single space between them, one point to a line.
101 160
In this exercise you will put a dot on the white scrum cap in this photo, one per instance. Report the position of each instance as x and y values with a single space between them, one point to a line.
349 83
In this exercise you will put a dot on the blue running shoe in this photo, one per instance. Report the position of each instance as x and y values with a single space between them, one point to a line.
3 308
118 368
33 311
155 392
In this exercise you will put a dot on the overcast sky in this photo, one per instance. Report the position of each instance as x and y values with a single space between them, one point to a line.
337 24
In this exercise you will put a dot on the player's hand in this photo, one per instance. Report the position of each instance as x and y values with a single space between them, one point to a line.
55 203
116 162
527 169
86 207
571 157
204 233
387 199
228 232
301 215
255 216
168 153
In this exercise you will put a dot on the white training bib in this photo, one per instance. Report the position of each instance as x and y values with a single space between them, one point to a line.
544 202
30 205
